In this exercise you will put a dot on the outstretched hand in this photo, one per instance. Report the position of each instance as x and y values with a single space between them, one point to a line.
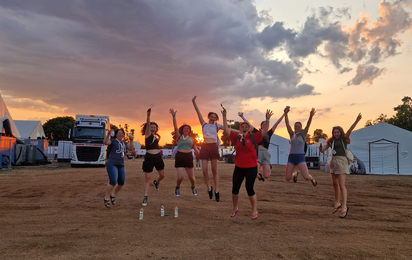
224 112
287 109
268 114
240 114
149 111
194 99
359 117
312 112
171 111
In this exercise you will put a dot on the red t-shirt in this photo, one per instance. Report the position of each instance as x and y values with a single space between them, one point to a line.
246 156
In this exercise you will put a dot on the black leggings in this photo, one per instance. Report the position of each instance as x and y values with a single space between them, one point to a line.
239 174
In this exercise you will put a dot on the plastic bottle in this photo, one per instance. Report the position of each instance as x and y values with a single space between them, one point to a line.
162 211
141 214
176 212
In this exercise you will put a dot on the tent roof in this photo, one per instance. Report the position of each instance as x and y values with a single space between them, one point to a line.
30 129
5 116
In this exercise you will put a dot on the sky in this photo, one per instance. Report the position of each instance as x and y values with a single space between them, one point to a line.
118 58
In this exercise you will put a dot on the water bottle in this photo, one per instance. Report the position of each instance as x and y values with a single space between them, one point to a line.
141 214
176 212
162 211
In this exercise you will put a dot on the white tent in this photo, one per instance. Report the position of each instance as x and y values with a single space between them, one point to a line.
7 125
279 150
383 148
30 129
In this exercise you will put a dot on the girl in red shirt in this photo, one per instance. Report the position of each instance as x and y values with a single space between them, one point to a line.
245 161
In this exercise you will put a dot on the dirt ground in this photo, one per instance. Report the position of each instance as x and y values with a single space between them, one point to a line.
58 213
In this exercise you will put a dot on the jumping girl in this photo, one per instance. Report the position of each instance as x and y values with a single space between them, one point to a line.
153 157
184 157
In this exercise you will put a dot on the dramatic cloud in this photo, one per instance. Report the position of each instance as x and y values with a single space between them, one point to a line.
119 57
366 74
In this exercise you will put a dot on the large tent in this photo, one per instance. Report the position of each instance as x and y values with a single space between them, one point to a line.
7 125
279 150
383 148
30 129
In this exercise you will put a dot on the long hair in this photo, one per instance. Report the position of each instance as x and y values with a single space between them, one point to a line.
143 129
181 129
342 135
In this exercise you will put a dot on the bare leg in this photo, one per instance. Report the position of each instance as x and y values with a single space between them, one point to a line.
161 175
289 171
205 173
147 182
191 175
213 163
109 189
303 168
180 176
343 191
266 171
253 202
336 189
235 199
117 188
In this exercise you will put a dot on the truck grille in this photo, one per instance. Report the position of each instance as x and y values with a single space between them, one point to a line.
88 154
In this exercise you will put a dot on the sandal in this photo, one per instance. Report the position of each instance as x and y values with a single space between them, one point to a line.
233 214
344 213
261 178
336 209
113 200
255 216
106 203
314 182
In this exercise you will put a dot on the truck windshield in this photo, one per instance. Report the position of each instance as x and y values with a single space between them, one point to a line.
89 133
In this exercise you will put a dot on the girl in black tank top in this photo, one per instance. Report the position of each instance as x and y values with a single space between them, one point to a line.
153 157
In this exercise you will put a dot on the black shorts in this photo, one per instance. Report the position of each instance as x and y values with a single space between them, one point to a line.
209 151
184 160
153 160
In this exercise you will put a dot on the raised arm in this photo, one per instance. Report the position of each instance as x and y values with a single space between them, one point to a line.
268 115
147 132
312 113
198 111
177 134
225 126
358 118
130 145
286 111
278 122
244 119
107 140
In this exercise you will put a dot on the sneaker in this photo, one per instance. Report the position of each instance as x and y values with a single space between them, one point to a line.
177 192
217 196
210 192
194 191
144 203
156 184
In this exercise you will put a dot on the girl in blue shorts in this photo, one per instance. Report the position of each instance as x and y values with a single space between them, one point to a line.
297 152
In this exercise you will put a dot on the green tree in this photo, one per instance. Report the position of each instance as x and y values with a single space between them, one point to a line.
402 118
318 134
380 119
57 129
